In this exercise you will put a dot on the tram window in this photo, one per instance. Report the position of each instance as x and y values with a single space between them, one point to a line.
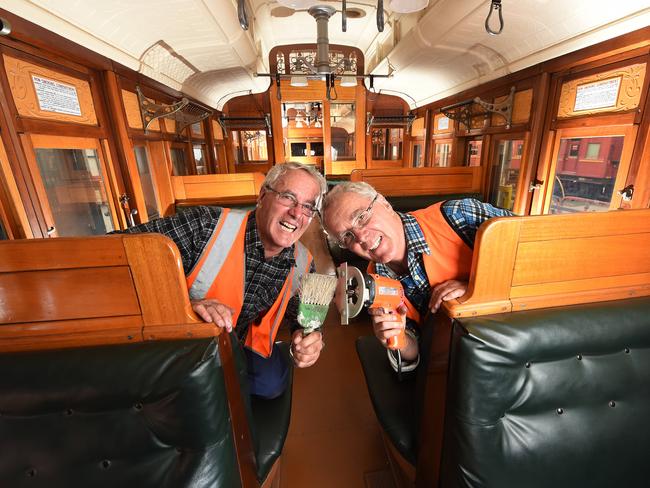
200 159
473 152
3 233
586 183
417 155
442 155
147 182
593 151
179 161
505 173
343 129
298 149
387 144
316 148
75 190
249 146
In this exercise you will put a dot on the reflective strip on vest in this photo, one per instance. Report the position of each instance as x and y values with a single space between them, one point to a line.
214 261
303 261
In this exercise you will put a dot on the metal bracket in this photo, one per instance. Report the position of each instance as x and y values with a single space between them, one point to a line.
463 112
244 123
185 113
389 121
627 193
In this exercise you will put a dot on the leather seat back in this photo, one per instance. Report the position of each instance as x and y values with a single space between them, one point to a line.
556 397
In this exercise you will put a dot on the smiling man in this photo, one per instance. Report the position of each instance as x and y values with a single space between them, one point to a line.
429 251
243 269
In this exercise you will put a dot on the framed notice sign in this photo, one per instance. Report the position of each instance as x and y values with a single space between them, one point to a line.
599 94
443 123
54 96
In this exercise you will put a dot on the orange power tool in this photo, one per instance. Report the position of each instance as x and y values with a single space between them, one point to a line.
355 290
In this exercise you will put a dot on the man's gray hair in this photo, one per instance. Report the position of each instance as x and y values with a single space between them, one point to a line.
358 187
280 169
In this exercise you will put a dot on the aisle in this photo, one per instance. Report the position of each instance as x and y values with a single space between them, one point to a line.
334 439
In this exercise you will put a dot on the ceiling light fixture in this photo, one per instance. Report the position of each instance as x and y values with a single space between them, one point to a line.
303 67
407 6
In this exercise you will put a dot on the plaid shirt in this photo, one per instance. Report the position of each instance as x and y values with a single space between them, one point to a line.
464 217
191 230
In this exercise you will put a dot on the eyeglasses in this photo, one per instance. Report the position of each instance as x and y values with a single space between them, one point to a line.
347 238
289 200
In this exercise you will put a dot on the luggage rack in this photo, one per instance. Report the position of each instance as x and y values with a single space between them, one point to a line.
184 112
389 121
465 111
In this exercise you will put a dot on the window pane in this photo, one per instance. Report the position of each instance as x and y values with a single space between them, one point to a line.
387 144
586 183
505 173
179 162
200 159
417 156
442 155
474 149
249 145
75 190
343 124
3 233
298 149
146 179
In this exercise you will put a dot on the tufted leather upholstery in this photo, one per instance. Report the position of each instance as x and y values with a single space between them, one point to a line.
138 415
546 398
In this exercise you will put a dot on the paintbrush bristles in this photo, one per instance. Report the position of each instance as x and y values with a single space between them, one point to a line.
317 289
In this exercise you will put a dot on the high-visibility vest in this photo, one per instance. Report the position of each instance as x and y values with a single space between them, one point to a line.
450 257
220 273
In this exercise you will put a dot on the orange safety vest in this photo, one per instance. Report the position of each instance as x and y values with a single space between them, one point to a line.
220 273
450 257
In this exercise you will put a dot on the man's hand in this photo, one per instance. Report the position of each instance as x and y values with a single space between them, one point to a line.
445 291
212 310
306 349
387 323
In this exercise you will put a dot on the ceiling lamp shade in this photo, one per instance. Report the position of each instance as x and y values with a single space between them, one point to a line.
298 81
298 4
348 81
407 6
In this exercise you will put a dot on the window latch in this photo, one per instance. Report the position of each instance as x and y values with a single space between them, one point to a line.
627 192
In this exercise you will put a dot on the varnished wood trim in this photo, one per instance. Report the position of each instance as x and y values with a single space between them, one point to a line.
553 260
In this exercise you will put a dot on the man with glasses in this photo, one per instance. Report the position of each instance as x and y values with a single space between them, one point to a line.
243 269
429 251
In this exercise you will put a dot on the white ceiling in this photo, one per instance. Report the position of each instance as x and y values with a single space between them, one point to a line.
197 46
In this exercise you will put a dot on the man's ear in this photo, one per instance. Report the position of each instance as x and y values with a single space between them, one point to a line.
260 196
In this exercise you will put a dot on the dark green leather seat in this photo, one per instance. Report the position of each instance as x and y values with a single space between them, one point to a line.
547 398
140 415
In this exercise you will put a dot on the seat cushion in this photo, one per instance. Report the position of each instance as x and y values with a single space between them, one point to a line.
557 397
140 415
394 401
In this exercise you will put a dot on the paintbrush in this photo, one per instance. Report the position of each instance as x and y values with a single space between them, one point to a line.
316 293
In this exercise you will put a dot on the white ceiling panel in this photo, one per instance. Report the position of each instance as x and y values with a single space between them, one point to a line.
198 45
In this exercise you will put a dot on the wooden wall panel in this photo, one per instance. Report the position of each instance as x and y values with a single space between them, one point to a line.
421 181
439 124
629 93
521 108
45 295
72 292
553 260
217 187
19 74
